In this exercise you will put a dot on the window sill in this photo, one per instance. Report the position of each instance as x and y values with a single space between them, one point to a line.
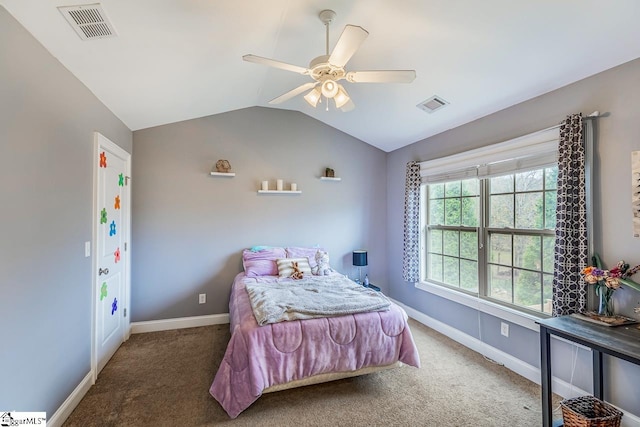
514 316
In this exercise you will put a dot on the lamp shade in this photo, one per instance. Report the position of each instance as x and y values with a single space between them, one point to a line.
360 258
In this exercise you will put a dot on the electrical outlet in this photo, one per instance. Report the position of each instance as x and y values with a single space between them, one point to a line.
87 249
202 298
504 329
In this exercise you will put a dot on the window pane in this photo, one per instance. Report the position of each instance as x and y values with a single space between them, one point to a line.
435 267
500 248
550 202
436 212
528 289
470 187
548 246
470 211
452 189
519 258
551 178
501 211
469 275
500 283
451 271
435 243
529 181
436 191
527 252
469 245
451 243
452 212
501 184
547 292
529 210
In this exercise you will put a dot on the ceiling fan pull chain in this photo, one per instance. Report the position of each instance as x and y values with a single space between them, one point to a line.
327 103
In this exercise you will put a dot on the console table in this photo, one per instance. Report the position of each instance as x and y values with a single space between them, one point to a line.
618 341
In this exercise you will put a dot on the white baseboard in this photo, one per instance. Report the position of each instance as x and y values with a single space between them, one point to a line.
560 387
178 323
67 407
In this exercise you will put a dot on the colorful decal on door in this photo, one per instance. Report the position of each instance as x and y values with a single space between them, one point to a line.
103 160
112 228
116 204
103 216
103 291
121 180
114 306
116 254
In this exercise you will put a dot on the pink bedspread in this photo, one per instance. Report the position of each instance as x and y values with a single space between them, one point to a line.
258 357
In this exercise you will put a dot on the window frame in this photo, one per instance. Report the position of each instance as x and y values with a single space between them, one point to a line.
485 163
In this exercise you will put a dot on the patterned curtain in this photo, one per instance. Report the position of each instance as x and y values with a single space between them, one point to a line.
571 249
411 249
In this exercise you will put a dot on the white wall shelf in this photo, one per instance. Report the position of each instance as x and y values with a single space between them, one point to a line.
227 174
329 178
279 192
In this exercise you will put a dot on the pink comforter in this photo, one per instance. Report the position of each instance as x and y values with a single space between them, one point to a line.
258 357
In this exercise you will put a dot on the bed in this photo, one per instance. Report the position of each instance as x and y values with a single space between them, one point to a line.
303 349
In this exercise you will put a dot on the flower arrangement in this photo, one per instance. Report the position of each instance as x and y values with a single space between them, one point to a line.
607 281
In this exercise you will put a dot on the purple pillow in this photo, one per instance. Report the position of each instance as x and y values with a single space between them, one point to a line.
261 263
309 253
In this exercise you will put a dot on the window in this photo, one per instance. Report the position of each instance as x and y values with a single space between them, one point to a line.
490 229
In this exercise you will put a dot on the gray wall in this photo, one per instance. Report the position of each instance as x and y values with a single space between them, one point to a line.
189 229
47 119
616 91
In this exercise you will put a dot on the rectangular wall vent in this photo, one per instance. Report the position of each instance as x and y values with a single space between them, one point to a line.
89 21
432 104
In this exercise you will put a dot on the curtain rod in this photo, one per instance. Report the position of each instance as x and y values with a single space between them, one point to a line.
591 116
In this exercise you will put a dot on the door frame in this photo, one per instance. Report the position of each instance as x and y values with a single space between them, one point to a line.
99 141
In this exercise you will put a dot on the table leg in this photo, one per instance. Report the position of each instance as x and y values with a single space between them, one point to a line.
545 373
597 374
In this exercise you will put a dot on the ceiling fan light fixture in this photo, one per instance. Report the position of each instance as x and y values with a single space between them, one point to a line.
313 97
329 88
342 97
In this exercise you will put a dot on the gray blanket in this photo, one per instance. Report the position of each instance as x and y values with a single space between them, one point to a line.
311 297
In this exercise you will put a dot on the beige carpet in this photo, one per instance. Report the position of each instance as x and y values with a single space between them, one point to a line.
163 379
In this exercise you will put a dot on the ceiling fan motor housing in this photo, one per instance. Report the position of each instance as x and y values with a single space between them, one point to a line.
320 69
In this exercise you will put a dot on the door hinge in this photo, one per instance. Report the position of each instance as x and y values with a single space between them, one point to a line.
126 180
125 312
125 246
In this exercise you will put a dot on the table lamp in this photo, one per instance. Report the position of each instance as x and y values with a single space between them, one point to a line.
360 260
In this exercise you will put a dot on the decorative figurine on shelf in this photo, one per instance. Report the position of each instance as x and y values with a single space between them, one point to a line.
329 173
223 166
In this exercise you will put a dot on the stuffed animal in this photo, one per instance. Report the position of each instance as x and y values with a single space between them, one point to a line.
297 274
323 268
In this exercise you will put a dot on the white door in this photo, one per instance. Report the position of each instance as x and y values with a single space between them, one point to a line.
111 285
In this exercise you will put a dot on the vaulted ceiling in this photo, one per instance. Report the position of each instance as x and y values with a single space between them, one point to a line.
174 60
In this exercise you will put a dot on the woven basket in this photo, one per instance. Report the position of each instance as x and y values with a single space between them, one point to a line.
587 411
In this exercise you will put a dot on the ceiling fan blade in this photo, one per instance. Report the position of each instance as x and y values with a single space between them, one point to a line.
350 40
348 106
294 92
277 64
381 76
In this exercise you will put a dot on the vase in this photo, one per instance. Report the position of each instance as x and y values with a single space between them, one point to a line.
605 308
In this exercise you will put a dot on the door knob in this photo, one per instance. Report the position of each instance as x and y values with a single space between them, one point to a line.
102 271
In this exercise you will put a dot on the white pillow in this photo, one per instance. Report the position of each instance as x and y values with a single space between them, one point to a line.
285 266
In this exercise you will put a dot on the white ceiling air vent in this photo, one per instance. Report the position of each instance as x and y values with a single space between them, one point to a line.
432 104
89 21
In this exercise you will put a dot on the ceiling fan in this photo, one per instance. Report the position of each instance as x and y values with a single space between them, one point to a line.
327 70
